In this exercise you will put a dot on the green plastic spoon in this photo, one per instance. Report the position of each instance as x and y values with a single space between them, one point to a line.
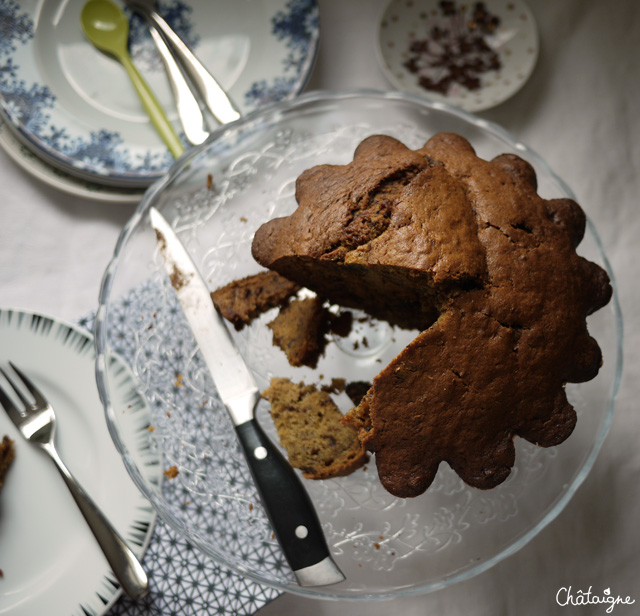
107 27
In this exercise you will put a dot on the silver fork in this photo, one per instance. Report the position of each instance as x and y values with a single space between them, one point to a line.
189 112
37 423
216 99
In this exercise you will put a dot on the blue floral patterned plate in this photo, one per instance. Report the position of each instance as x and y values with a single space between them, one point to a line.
75 107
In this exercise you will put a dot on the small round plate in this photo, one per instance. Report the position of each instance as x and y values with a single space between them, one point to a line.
472 55
60 180
76 108
50 560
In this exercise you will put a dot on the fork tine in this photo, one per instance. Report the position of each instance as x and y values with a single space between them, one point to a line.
9 407
33 390
27 404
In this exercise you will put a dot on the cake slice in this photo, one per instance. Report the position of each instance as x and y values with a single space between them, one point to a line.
243 300
299 330
390 233
310 428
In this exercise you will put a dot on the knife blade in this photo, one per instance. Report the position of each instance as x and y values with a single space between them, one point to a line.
286 502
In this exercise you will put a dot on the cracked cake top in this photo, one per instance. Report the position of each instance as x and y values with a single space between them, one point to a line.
468 253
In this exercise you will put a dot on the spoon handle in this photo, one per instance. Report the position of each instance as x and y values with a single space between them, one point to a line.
153 108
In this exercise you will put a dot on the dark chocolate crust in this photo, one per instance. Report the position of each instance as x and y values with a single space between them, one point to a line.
479 262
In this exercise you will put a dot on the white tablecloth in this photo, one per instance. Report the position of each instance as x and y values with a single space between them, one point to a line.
580 111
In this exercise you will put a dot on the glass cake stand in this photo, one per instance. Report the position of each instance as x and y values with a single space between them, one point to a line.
216 196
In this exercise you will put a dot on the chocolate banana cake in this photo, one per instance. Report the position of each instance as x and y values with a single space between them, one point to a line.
311 430
466 252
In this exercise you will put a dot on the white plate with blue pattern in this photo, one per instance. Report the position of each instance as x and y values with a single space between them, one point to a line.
50 561
75 107
56 178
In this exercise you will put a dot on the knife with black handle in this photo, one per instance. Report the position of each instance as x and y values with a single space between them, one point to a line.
286 502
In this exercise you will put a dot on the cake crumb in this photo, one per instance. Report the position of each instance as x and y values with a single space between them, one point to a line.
171 472
342 323
337 385
243 300
7 456
178 279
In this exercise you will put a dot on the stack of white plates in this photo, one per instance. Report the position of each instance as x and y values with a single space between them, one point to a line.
69 115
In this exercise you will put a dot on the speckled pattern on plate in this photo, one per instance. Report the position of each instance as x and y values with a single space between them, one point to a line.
473 55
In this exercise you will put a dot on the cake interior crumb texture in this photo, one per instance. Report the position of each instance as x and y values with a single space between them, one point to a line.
311 430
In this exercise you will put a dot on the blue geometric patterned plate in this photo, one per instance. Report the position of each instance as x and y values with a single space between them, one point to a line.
75 107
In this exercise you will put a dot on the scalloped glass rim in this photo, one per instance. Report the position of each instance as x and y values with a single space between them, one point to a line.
253 122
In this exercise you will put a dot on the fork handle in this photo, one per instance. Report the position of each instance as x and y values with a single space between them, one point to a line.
189 111
125 565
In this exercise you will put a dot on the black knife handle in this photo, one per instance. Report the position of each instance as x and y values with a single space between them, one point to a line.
290 510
